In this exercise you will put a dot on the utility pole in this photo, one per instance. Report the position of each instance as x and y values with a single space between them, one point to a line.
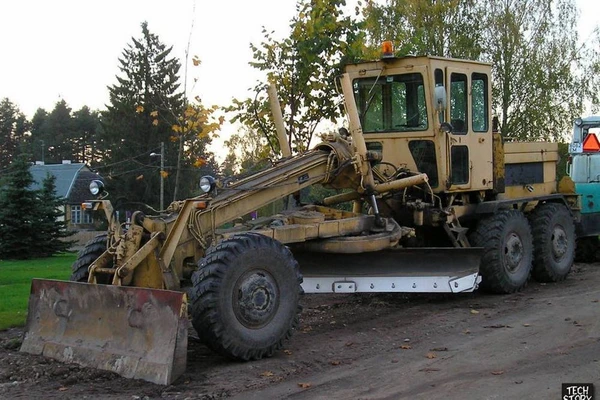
162 170
162 179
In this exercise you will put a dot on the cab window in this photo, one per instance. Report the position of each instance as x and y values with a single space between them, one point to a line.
458 103
394 103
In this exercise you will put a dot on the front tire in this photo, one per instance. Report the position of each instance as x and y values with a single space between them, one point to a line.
506 263
245 296
553 242
92 250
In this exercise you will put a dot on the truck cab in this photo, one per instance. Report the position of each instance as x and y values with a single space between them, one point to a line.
584 169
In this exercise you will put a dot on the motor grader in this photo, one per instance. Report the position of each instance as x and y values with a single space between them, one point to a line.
438 204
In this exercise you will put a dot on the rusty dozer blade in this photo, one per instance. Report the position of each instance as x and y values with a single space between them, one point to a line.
137 333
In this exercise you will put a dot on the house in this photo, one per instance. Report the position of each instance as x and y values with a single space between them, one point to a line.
72 184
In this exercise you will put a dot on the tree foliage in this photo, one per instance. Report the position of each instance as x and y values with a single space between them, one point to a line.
448 28
147 108
51 226
248 152
541 71
64 135
303 66
144 105
542 74
13 126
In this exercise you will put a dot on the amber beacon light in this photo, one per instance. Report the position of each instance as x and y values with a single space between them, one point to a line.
387 49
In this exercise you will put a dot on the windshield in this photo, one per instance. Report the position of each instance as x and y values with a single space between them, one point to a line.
394 103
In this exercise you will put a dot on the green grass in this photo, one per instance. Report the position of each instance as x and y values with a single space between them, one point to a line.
15 283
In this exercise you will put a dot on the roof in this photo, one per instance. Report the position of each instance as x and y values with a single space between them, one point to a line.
591 120
69 178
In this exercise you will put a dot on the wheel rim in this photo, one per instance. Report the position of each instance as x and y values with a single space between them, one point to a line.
256 299
513 252
560 243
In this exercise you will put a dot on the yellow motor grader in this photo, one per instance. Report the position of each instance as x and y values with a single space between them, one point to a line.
439 204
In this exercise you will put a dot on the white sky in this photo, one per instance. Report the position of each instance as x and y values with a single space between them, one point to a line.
69 49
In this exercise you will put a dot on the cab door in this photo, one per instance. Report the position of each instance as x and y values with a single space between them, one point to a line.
470 141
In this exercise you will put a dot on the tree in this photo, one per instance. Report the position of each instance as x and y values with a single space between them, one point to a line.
542 75
53 133
448 28
86 132
13 126
143 107
303 66
248 153
193 133
37 143
18 205
51 225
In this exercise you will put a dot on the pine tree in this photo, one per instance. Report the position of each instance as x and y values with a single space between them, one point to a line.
144 105
51 223
18 212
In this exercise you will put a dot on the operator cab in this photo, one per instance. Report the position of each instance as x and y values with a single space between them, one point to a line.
428 114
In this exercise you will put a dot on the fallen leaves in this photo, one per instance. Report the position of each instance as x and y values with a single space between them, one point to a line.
497 372
406 347
474 312
335 362
431 355
304 385
267 374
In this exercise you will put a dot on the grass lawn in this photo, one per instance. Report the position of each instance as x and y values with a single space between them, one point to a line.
15 283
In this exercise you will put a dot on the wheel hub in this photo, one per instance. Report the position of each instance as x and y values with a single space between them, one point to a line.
256 298
513 252
560 243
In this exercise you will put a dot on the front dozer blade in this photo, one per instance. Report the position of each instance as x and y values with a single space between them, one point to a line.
137 333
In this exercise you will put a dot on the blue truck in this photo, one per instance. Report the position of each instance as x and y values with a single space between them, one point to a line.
583 167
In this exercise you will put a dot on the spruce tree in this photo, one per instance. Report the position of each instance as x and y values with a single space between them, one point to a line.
51 222
144 105
18 212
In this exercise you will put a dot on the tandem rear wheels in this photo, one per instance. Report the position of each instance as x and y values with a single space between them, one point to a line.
516 247
245 297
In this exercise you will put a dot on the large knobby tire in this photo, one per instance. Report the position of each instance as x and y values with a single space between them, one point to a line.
586 249
245 297
553 242
92 250
507 259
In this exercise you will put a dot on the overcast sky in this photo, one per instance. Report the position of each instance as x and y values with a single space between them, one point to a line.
69 49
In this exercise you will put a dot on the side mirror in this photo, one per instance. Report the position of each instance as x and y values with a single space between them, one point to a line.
445 127
440 98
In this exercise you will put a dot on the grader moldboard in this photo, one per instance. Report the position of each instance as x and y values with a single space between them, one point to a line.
439 204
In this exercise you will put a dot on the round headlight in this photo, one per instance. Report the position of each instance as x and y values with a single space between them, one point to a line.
207 183
96 187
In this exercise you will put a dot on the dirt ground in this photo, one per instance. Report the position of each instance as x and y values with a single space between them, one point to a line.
470 346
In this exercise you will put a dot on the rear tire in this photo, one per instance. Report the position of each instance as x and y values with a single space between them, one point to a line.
553 242
92 250
245 296
506 262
